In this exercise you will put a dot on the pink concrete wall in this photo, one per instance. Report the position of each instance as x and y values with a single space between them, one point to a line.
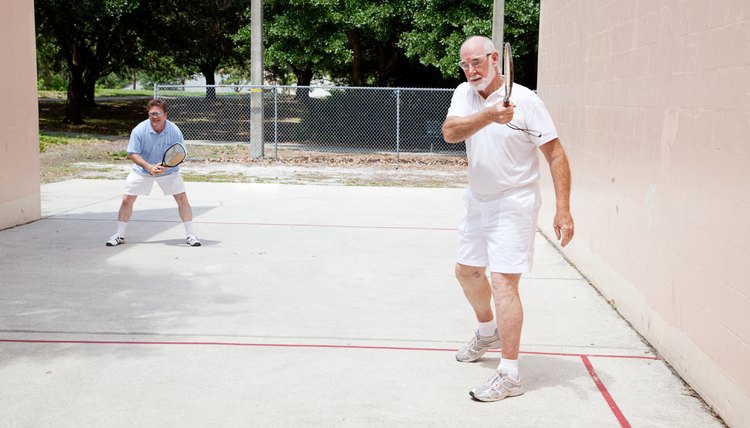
652 102
19 126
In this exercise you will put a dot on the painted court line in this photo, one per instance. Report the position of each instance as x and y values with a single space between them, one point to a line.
603 390
249 223
584 357
302 345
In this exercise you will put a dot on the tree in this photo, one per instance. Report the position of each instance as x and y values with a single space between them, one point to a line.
50 69
354 40
95 37
199 35
300 38
373 28
364 42
440 26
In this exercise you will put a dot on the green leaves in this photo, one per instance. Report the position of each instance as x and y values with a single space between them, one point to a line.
440 26
360 42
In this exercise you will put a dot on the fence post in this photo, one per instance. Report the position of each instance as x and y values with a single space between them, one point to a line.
156 91
276 121
398 127
256 121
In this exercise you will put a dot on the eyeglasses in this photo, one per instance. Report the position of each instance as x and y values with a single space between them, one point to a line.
474 62
155 114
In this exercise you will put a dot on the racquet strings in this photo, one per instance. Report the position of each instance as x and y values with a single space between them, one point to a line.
174 155
507 73
508 82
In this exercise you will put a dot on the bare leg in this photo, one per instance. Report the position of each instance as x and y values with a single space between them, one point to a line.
126 208
476 289
183 207
509 312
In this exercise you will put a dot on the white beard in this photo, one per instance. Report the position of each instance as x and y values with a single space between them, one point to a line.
484 83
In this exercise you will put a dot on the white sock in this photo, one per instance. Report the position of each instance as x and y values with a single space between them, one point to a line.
510 367
487 329
189 227
121 226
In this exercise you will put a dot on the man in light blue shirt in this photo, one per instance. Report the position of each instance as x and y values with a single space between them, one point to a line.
148 142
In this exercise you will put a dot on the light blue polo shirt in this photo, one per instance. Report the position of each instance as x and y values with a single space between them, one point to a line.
151 146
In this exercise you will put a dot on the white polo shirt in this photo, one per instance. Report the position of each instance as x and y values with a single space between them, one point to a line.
501 158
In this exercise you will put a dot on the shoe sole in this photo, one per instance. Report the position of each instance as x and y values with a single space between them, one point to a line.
473 397
473 360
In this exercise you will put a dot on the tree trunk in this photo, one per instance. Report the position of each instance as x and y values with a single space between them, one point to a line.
74 104
92 71
89 88
304 77
208 73
388 59
357 77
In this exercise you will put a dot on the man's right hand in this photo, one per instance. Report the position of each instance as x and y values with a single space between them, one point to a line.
156 169
498 113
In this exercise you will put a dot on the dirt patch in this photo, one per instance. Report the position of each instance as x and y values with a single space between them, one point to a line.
98 151
101 158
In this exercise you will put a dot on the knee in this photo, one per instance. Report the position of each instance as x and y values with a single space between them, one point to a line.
128 200
468 274
181 198
504 285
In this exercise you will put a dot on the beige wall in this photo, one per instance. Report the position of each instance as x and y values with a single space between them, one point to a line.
19 141
652 102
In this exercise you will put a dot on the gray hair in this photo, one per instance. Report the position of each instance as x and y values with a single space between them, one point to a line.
487 44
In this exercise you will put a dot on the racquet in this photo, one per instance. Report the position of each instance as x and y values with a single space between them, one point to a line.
508 84
175 154
507 73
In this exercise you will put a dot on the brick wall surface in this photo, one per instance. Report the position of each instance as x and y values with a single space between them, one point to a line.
19 141
652 102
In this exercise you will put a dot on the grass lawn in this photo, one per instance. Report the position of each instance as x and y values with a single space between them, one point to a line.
96 149
108 117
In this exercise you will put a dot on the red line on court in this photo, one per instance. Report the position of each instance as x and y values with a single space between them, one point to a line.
563 354
276 345
584 357
603 390
338 226
298 345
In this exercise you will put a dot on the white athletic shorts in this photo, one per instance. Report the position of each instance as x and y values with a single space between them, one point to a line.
498 231
138 184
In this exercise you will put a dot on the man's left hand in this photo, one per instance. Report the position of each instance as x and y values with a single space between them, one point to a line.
563 224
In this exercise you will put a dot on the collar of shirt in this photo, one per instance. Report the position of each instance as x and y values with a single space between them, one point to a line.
493 98
151 129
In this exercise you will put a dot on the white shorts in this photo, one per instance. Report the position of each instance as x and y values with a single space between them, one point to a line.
137 184
499 231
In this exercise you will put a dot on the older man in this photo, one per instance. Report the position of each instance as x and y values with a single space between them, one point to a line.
501 205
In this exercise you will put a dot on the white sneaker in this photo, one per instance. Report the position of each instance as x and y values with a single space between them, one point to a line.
115 240
477 346
193 241
499 386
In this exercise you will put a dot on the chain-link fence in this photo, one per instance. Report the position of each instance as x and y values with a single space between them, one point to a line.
310 118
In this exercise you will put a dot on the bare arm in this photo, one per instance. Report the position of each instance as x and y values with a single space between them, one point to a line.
457 129
152 169
560 170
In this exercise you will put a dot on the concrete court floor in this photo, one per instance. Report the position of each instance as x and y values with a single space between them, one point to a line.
307 305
